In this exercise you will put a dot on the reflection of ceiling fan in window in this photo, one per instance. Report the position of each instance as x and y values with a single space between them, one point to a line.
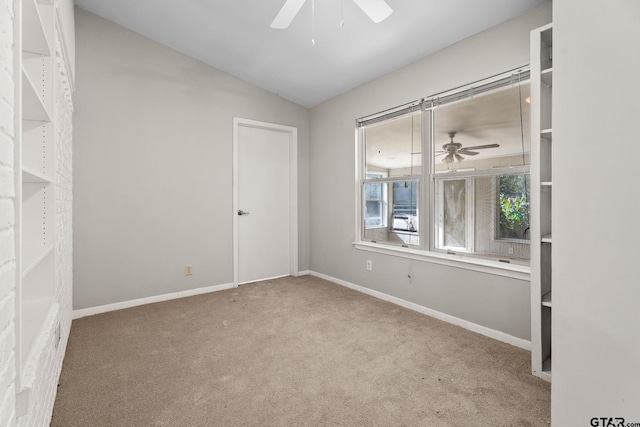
377 10
454 150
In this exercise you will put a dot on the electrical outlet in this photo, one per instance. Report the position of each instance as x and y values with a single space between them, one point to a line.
187 270
511 251
369 265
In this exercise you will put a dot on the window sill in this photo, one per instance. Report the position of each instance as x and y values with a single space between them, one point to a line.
514 271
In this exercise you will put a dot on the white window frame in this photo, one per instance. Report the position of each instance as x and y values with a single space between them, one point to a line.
426 251
388 194
384 202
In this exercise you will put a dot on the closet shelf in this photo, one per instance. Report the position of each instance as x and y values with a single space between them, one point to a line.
34 39
542 173
546 365
546 299
32 256
547 76
32 106
32 176
38 319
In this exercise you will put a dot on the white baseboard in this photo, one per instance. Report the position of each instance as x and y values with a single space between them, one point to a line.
77 314
483 330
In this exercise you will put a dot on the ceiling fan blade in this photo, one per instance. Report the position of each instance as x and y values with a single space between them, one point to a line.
287 13
468 153
480 147
377 10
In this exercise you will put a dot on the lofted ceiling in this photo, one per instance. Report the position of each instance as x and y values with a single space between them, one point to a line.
235 36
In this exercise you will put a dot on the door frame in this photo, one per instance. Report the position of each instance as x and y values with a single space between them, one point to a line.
293 190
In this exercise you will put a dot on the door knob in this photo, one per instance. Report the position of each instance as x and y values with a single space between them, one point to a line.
241 212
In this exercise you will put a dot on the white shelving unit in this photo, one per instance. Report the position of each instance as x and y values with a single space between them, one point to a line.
35 41
35 307
541 199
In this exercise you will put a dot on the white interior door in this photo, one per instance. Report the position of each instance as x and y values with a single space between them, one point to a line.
264 208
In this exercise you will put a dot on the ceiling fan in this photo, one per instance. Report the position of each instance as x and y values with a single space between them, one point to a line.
377 10
453 150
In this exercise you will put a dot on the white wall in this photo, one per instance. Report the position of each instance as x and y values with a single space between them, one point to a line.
153 157
495 302
596 296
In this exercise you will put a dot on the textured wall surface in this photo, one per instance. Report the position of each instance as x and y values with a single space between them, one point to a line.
50 363
7 216
45 372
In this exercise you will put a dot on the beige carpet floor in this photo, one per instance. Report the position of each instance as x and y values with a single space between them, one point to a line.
291 352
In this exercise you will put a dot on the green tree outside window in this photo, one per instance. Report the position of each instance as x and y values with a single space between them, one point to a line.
514 207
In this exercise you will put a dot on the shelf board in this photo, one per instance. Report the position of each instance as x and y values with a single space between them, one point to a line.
32 256
546 365
546 183
546 299
32 106
29 125
34 39
546 238
546 133
34 177
547 76
35 314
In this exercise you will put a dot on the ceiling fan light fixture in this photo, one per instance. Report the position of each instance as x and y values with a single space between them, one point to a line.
448 159
459 158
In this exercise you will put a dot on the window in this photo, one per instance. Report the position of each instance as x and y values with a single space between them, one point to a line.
405 206
466 175
480 171
455 217
375 202
392 174
513 207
